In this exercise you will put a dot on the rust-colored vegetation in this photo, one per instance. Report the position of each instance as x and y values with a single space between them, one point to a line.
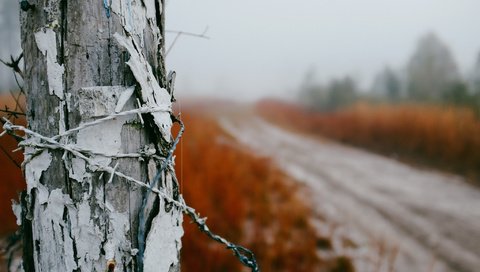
445 137
11 179
246 200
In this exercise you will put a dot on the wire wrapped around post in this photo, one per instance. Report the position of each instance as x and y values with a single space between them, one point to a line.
40 143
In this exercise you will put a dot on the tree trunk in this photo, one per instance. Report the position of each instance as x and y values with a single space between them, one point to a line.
81 57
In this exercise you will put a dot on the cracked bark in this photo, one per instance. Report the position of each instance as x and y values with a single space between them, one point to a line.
73 218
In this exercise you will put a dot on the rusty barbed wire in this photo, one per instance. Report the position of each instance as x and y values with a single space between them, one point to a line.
244 255
40 142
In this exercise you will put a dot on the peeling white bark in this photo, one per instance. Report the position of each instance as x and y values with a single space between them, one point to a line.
163 242
106 137
119 225
152 94
150 9
48 231
77 169
124 97
87 236
47 44
35 168
77 217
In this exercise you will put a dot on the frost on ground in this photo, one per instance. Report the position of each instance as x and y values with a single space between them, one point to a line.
386 215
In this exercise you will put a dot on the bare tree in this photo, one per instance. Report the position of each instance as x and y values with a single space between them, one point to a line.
101 189
431 70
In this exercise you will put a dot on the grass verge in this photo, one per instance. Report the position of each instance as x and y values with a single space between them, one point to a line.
246 199
444 137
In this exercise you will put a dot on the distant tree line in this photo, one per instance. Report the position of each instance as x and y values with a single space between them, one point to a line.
430 76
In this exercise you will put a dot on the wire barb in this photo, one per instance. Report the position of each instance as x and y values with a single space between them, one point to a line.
40 143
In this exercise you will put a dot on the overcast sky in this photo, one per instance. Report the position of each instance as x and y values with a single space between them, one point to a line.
260 47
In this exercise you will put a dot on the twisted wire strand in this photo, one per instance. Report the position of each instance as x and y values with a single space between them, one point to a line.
40 143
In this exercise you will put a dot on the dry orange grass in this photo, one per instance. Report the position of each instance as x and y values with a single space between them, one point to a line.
245 199
446 137
11 180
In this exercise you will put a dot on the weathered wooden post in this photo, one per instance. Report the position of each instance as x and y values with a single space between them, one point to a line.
84 210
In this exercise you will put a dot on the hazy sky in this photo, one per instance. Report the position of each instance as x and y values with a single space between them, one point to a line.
267 46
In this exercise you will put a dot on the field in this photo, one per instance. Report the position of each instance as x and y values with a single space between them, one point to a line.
444 137
246 199
11 179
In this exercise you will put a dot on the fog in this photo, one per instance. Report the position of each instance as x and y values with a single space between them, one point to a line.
259 48
266 47
9 41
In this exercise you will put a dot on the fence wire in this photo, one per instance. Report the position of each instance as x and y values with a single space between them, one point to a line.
41 143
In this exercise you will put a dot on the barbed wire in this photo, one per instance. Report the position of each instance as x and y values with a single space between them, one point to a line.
40 143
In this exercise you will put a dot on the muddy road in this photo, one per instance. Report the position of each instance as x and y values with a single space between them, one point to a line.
396 217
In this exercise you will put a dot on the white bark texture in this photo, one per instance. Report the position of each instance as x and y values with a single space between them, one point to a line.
81 59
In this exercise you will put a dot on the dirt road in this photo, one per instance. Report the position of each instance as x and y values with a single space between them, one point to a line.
398 218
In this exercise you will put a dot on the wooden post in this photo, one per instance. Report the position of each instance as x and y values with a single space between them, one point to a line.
82 60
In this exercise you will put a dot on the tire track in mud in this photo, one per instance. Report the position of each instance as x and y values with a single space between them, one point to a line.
431 217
